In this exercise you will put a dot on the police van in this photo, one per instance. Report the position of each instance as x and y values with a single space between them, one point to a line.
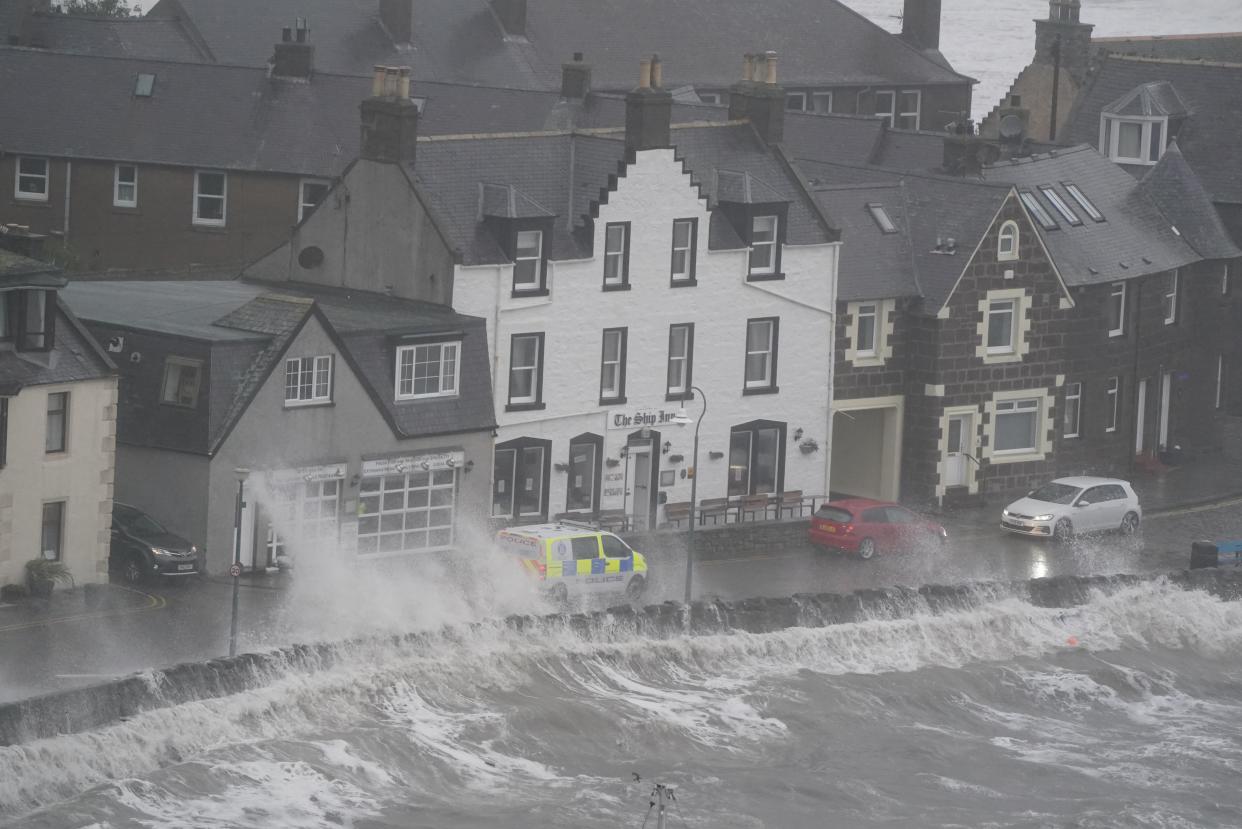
568 558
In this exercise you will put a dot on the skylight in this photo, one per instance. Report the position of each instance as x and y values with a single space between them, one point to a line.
1054 198
1085 203
1037 210
145 85
882 218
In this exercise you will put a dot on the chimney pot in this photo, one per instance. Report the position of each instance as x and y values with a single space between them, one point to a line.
769 59
390 118
644 73
748 68
377 82
286 35
657 73
390 81
404 88
648 110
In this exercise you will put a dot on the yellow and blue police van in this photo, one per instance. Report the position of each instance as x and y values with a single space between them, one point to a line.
570 559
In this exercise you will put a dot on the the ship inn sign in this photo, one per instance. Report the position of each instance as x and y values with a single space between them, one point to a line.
638 418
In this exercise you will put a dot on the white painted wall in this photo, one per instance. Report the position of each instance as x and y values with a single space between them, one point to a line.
654 192
81 477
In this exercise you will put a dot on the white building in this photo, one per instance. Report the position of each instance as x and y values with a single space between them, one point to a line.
58 395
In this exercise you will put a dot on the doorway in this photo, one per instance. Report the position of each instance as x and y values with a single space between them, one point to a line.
1166 394
643 472
959 450
1140 419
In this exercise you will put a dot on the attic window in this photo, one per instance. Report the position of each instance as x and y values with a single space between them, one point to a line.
1054 198
144 87
1085 203
882 218
1037 210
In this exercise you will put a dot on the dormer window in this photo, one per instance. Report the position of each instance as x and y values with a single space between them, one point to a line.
528 267
1132 140
764 246
1007 242
35 321
428 370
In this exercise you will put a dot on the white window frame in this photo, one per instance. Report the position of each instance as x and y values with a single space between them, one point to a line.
816 98
1060 205
1008 231
117 199
534 369
1088 206
755 221
873 349
1073 391
889 114
536 282
1015 306
1121 316
407 370
616 256
45 177
1110 138
305 208
223 198
1112 390
617 391
791 97
683 361
904 113
1224 279
1014 406
316 366
712 98
688 274
768 380
181 363
1170 298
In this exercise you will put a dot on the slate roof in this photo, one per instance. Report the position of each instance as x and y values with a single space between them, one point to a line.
874 264
249 325
1157 98
851 139
140 37
1222 47
21 272
1180 195
821 42
451 171
1135 239
1209 136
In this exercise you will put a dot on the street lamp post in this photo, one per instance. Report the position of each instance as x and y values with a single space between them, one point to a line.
241 474
682 419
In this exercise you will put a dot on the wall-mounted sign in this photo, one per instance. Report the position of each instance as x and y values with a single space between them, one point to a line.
415 463
638 418
309 474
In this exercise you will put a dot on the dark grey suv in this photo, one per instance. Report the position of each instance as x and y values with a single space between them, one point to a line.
142 548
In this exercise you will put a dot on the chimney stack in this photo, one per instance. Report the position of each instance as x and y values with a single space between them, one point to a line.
389 118
1063 40
512 16
295 56
398 18
575 79
920 23
759 99
648 109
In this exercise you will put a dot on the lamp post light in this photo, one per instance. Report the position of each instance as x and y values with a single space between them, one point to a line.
241 473
682 419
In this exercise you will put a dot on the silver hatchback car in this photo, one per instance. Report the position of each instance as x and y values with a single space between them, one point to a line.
1062 508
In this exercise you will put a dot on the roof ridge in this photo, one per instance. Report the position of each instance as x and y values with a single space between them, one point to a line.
585 131
1176 61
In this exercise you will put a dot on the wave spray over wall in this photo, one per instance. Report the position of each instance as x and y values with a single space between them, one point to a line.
1105 701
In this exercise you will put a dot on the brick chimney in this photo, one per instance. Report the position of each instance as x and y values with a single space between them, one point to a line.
398 18
389 117
295 56
512 15
575 79
648 109
920 23
758 99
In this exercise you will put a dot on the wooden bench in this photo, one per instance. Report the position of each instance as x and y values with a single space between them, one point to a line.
614 520
789 501
753 504
714 508
677 512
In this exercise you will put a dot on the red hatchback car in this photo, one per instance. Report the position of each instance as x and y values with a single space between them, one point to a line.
864 526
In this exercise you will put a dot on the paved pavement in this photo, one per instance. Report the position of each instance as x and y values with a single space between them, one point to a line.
80 637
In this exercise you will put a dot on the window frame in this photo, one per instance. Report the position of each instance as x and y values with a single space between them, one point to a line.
1088 206
315 399
873 350
537 286
1120 297
1110 138
1112 388
596 446
816 97
1011 346
174 361
61 445
880 216
28 336
622 281
1060 205
901 113
117 201
768 384
1041 215
800 96
305 208
1169 297
690 276
1008 230
772 270
519 469
889 114
618 395
59 523
1224 279
1011 408
412 349
535 399
680 393
45 177
223 198
1073 391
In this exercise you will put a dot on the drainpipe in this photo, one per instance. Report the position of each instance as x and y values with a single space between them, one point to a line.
1138 321
1056 87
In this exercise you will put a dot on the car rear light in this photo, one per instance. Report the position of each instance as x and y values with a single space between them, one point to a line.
849 528
542 567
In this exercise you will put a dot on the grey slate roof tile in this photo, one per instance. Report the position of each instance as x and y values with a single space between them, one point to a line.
74 357
1180 195
139 37
874 264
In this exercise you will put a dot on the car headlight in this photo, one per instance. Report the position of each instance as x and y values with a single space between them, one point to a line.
193 549
1005 512
160 552
944 533
1043 518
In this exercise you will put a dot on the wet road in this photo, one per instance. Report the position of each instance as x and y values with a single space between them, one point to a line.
70 643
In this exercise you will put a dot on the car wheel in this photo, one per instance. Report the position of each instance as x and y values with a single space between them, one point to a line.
866 548
132 571
1130 524
1063 531
635 589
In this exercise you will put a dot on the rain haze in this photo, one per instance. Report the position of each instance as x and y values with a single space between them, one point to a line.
612 413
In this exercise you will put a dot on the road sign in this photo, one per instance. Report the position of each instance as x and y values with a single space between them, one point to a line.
235 570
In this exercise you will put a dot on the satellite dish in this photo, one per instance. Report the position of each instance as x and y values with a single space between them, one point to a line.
1012 128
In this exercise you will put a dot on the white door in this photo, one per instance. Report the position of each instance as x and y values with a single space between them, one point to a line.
960 448
640 475
250 506
1166 392
1140 418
